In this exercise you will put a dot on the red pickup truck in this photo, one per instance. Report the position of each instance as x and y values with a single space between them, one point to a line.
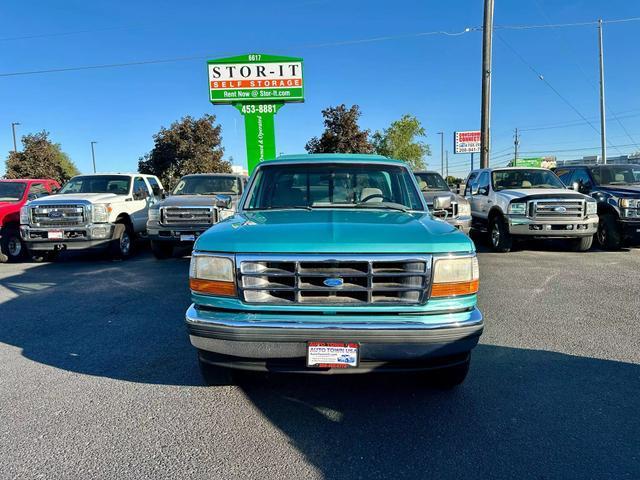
13 195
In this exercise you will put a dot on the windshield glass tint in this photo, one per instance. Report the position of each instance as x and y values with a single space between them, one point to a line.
333 185
11 191
202 185
431 181
522 178
617 174
117 184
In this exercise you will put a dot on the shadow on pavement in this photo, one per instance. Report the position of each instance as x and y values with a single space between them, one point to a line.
520 414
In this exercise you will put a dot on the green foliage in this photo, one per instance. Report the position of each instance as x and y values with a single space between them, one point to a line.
342 133
453 180
400 141
40 158
189 145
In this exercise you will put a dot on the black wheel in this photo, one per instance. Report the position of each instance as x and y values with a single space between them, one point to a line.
45 256
609 235
122 243
581 244
450 377
162 250
12 248
213 375
499 236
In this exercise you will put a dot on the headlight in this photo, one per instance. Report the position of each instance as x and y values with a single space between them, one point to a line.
212 275
154 214
101 213
24 215
455 276
629 203
517 208
464 209
592 208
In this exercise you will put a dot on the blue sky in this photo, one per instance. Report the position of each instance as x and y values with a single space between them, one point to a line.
436 78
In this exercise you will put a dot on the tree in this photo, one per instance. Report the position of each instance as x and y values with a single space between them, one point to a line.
400 141
342 133
189 145
40 158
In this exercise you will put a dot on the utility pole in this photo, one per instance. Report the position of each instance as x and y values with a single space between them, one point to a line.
13 129
516 144
93 155
485 118
603 121
446 164
441 152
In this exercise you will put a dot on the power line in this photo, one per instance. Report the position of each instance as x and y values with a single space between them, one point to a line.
562 25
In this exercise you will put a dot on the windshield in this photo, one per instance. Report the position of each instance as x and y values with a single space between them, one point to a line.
523 179
328 185
203 185
617 174
12 191
118 184
431 181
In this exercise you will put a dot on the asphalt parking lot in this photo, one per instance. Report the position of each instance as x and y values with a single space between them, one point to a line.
98 380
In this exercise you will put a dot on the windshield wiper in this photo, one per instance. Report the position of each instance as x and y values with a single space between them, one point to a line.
383 205
288 207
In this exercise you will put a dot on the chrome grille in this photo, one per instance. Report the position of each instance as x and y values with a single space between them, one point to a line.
188 215
452 211
370 279
58 215
558 209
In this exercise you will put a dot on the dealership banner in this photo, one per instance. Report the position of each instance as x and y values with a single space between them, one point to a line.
466 142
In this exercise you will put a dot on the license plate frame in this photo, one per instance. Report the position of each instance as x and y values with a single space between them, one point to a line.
332 354
55 235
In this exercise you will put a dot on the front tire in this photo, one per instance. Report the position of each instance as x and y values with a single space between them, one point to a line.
499 236
609 235
162 250
12 248
581 244
122 243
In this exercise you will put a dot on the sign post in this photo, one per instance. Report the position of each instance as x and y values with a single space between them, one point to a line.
257 86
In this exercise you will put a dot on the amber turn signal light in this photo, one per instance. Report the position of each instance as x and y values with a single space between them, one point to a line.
212 287
454 288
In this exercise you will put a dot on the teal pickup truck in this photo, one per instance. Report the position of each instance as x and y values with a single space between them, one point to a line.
333 264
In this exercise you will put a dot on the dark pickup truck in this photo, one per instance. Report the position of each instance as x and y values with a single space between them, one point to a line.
617 190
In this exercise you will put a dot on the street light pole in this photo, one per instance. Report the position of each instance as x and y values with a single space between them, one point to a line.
13 129
485 115
603 121
446 164
93 156
441 152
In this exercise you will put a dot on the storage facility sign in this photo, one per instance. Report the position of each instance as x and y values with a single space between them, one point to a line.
255 78
467 142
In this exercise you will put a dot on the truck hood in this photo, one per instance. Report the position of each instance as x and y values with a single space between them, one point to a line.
541 193
333 231
188 200
431 194
79 197
618 190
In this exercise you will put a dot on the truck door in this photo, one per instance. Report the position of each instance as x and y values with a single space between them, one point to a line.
140 204
479 200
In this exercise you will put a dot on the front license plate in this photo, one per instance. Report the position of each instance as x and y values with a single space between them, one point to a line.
332 355
55 235
187 238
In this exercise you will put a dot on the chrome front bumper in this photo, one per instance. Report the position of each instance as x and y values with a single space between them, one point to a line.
399 337
74 238
553 228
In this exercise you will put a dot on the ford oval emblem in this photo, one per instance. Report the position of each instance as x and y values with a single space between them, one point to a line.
333 282
560 209
55 214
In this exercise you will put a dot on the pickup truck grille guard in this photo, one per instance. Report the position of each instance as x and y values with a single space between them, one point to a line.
334 279
179 216
557 209
55 215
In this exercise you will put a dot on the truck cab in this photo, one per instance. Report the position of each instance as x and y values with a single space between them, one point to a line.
13 195
521 202
616 188
333 264
97 211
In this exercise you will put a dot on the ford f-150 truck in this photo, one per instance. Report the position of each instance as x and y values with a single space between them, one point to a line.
13 195
458 209
98 211
522 202
334 264
616 188
197 202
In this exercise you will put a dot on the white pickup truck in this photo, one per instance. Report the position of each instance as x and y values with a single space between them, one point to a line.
522 202
98 211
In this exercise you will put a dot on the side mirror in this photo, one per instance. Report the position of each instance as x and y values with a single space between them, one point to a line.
474 189
575 186
442 202
223 201
32 196
157 191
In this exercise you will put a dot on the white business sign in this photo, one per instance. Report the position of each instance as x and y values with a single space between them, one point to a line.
467 142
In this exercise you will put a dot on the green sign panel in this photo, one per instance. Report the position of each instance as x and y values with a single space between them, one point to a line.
258 86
